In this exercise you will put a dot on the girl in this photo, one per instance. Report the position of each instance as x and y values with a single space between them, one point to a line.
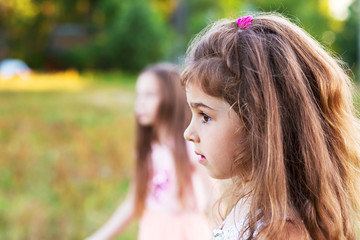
273 111
168 191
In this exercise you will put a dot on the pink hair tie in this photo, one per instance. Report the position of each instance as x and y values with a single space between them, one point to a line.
244 22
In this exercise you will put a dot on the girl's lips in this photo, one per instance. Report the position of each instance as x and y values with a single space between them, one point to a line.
201 158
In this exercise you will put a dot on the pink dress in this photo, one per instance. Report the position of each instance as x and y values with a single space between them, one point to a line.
164 218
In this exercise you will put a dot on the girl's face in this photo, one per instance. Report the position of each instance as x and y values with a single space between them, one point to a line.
148 99
214 130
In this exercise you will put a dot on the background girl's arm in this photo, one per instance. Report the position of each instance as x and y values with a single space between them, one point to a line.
120 219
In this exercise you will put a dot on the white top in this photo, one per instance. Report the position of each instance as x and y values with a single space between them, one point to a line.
229 231
232 232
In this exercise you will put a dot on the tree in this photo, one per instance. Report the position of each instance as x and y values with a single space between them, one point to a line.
346 42
136 37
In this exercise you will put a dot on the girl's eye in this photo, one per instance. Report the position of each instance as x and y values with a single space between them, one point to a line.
205 118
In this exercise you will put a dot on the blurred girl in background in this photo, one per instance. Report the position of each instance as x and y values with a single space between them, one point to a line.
168 191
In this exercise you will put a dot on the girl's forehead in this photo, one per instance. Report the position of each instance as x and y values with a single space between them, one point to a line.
196 89
196 96
192 88
147 81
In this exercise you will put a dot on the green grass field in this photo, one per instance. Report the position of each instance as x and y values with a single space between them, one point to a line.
66 158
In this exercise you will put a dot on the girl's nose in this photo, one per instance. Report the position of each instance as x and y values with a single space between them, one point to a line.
190 135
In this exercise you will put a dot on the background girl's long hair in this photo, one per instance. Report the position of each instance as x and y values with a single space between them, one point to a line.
173 116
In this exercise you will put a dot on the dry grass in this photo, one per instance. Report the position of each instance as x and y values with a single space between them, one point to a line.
66 156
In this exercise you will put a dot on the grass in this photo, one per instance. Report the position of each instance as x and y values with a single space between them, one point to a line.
65 155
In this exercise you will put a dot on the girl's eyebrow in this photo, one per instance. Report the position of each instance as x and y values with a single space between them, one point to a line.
199 104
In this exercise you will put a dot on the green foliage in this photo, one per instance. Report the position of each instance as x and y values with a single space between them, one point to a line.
200 14
136 38
129 34
133 37
77 57
347 40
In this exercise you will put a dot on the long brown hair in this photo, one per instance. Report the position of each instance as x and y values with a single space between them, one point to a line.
300 153
173 115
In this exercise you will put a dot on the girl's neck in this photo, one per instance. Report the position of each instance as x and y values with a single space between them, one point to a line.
162 136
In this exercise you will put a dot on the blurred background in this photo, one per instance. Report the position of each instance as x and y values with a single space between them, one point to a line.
67 74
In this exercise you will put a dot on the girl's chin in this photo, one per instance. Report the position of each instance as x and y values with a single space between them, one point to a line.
144 122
